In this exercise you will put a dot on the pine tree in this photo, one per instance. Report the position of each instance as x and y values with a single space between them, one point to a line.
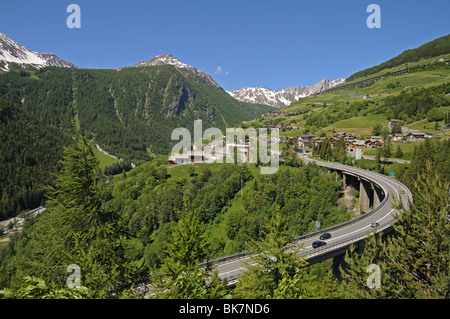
180 276
340 149
399 152
273 265
75 229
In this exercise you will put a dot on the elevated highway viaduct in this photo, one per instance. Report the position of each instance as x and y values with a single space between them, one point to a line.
375 190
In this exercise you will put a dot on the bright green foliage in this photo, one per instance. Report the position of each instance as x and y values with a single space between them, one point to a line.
180 275
273 262
187 246
35 288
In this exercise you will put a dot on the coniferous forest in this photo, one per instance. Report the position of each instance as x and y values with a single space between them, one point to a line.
139 225
129 112
30 152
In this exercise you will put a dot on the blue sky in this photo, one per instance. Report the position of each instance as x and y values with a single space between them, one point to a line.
274 44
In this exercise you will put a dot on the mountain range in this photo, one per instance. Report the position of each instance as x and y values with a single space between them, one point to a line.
13 53
284 97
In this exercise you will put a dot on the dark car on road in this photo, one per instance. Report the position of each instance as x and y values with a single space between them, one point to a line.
318 243
325 236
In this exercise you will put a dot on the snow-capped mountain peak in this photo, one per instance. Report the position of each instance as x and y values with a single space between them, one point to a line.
165 59
12 52
284 97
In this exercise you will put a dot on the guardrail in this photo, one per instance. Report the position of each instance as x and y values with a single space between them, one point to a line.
346 241
231 279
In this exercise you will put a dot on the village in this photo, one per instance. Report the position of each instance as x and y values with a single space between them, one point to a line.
355 144
306 143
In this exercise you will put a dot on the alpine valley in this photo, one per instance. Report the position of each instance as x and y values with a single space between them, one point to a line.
128 112
131 111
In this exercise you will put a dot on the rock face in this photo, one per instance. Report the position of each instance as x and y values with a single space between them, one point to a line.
283 97
12 52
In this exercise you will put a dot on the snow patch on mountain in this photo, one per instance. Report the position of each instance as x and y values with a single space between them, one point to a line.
12 52
164 59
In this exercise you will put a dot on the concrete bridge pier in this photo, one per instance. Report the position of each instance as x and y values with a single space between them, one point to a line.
377 195
338 261
369 194
365 192
349 180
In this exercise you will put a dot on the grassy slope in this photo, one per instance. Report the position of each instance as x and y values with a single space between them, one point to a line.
432 49
363 124
377 90
105 160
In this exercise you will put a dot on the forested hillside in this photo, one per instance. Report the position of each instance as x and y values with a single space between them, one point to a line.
29 155
144 205
128 112
232 200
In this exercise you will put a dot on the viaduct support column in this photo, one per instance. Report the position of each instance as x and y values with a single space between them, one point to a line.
364 196
377 196
337 262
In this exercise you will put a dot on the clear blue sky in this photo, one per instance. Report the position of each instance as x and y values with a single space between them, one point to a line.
274 44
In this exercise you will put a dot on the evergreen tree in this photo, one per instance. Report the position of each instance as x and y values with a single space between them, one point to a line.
386 149
399 152
340 150
180 276
76 229
377 129
325 151
273 265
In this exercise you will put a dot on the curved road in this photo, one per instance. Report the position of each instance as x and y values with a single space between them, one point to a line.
342 235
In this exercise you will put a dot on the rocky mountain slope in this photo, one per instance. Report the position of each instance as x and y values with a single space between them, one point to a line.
168 59
280 98
12 52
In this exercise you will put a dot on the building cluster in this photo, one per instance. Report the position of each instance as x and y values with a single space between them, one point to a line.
355 145
216 152
306 143
406 135
222 151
